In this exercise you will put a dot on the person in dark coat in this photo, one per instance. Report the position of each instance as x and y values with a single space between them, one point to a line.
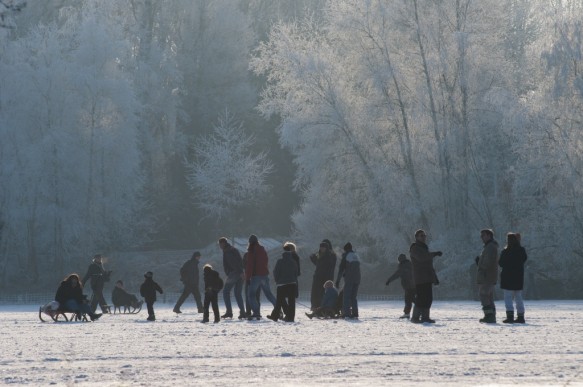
328 307
70 297
512 260
120 297
424 277
148 291
212 286
97 277
349 269
487 275
325 262
189 275
233 266
285 274
405 272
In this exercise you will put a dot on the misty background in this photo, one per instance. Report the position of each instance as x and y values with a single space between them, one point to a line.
130 128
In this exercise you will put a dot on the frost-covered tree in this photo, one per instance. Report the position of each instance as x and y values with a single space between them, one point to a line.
70 161
226 172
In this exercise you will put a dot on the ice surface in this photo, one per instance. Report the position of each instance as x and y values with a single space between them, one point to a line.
378 349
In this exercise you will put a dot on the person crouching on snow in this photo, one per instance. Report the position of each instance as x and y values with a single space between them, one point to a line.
148 291
405 272
212 286
327 308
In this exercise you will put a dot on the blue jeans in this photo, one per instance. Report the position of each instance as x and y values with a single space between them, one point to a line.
76 307
509 295
349 302
260 282
237 283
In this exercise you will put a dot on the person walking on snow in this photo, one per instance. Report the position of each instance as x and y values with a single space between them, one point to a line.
97 277
285 274
257 272
189 275
405 272
233 266
148 291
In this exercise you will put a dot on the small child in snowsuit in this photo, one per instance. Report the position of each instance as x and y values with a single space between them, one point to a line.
212 286
328 308
148 291
405 271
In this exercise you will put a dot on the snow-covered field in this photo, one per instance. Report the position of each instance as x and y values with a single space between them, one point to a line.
378 349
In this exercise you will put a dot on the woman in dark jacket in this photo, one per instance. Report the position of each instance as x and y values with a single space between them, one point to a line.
512 261
70 297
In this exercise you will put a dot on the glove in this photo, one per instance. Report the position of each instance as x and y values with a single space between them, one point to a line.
438 253
387 283
477 260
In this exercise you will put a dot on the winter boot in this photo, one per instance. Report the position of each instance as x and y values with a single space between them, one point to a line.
176 310
205 316
227 315
405 315
310 315
489 315
416 315
509 317
520 319
425 316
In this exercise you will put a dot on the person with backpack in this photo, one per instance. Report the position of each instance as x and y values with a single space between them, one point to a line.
405 272
189 275
213 284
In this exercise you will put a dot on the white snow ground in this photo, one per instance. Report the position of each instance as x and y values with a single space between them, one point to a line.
378 349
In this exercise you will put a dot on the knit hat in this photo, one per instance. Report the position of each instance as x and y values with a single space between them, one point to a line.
253 238
327 241
196 254
348 247
149 274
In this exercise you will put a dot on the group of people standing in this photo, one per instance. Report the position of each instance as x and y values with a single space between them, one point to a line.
248 275
418 277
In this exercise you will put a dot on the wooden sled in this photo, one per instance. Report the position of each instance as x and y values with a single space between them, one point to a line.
58 315
128 309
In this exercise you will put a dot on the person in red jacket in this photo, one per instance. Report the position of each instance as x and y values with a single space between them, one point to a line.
257 272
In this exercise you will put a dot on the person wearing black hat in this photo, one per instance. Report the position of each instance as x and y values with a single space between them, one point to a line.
97 277
325 262
148 291
189 275
350 270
